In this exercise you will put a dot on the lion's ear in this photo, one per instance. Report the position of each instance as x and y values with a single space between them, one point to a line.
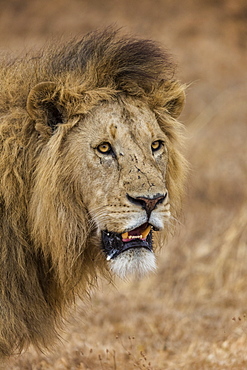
43 104
175 105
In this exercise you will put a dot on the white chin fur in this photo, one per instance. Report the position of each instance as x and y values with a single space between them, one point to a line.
137 262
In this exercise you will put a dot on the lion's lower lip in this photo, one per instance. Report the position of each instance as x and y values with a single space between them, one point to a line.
114 243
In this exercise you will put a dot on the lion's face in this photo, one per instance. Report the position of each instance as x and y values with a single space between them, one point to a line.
122 165
103 171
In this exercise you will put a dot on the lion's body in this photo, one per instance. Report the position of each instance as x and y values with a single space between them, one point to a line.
57 192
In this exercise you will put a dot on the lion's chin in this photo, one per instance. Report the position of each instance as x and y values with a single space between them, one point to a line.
135 261
129 253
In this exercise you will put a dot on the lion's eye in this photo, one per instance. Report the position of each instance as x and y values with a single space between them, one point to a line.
104 148
156 145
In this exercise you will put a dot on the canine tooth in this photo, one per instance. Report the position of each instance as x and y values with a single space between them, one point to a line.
146 232
125 235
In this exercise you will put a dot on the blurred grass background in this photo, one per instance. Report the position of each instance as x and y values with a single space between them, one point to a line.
191 314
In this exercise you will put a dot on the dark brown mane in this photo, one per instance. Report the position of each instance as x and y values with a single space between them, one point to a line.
114 59
100 59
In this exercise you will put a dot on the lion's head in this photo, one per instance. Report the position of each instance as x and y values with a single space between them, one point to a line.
90 171
117 156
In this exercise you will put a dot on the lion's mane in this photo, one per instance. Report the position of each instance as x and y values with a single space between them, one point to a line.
46 259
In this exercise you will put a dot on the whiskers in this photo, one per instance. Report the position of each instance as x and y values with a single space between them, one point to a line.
115 219
98 218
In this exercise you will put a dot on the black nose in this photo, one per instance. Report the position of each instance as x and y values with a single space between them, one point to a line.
148 203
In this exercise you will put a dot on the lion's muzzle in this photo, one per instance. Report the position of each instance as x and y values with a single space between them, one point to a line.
114 243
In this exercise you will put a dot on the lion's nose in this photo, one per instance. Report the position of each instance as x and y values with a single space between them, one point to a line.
148 203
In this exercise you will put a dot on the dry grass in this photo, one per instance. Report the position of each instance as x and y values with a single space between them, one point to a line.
192 313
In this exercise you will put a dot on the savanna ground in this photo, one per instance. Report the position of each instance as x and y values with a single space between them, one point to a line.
191 314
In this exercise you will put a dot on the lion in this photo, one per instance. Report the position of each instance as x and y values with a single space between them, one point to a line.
90 170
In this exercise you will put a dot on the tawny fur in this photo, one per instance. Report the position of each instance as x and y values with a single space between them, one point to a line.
49 250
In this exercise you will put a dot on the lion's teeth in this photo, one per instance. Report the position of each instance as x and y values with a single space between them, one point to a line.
125 235
146 232
142 236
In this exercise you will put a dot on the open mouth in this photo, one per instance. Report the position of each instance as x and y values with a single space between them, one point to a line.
115 243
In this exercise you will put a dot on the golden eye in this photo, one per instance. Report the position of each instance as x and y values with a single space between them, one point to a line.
156 145
104 148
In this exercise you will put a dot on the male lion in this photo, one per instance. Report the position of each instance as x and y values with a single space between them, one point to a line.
89 169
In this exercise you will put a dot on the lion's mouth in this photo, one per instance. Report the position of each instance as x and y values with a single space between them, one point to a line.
115 243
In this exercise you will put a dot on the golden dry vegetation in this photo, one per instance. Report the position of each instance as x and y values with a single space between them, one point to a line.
191 314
